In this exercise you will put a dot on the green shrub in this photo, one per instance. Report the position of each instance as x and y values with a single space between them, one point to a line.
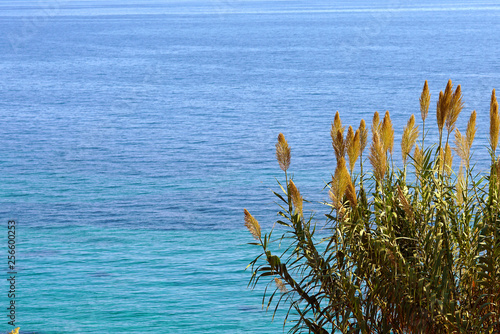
411 250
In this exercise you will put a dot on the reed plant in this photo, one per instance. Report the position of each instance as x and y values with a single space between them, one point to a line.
402 250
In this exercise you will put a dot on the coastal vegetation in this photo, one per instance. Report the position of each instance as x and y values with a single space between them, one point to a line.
408 249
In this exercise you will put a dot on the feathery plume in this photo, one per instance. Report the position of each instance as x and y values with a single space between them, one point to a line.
280 285
376 123
494 122
337 134
283 154
296 197
387 133
471 129
456 107
350 194
444 106
378 157
363 135
461 146
410 135
354 149
349 137
425 99
340 180
337 123
252 224
338 144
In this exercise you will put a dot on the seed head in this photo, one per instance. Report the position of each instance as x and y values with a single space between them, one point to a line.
354 147
471 129
283 154
376 123
252 224
387 133
456 107
363 135
425 99
296 197
410 135
378 157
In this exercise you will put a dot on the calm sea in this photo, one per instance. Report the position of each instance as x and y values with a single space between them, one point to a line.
133 134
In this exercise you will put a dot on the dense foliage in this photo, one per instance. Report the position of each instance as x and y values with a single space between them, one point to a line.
411 250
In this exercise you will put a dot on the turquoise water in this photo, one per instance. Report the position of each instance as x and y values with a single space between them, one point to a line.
133 135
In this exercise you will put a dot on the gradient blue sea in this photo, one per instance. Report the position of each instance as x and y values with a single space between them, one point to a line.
133 134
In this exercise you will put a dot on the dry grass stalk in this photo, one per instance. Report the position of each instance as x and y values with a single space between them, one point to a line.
425 99
460 186
280 285
378 157
456 107
252 224
410 135
387 133
296 198
340 181
494 122
283 152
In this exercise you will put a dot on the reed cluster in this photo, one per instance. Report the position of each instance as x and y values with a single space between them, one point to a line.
402 250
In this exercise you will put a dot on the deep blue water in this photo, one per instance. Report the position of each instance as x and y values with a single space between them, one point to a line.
133 135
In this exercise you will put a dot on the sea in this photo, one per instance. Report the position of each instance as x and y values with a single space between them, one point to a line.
134 133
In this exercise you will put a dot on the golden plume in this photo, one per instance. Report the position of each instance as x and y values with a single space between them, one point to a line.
471 129
337 134
378 157
444 106
296 198
410 135
354 148
252 224
425 99
494 122
349 137
340 182
363 135
387 133
283 154
350 194
280 285
376 123
456 107
461 147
